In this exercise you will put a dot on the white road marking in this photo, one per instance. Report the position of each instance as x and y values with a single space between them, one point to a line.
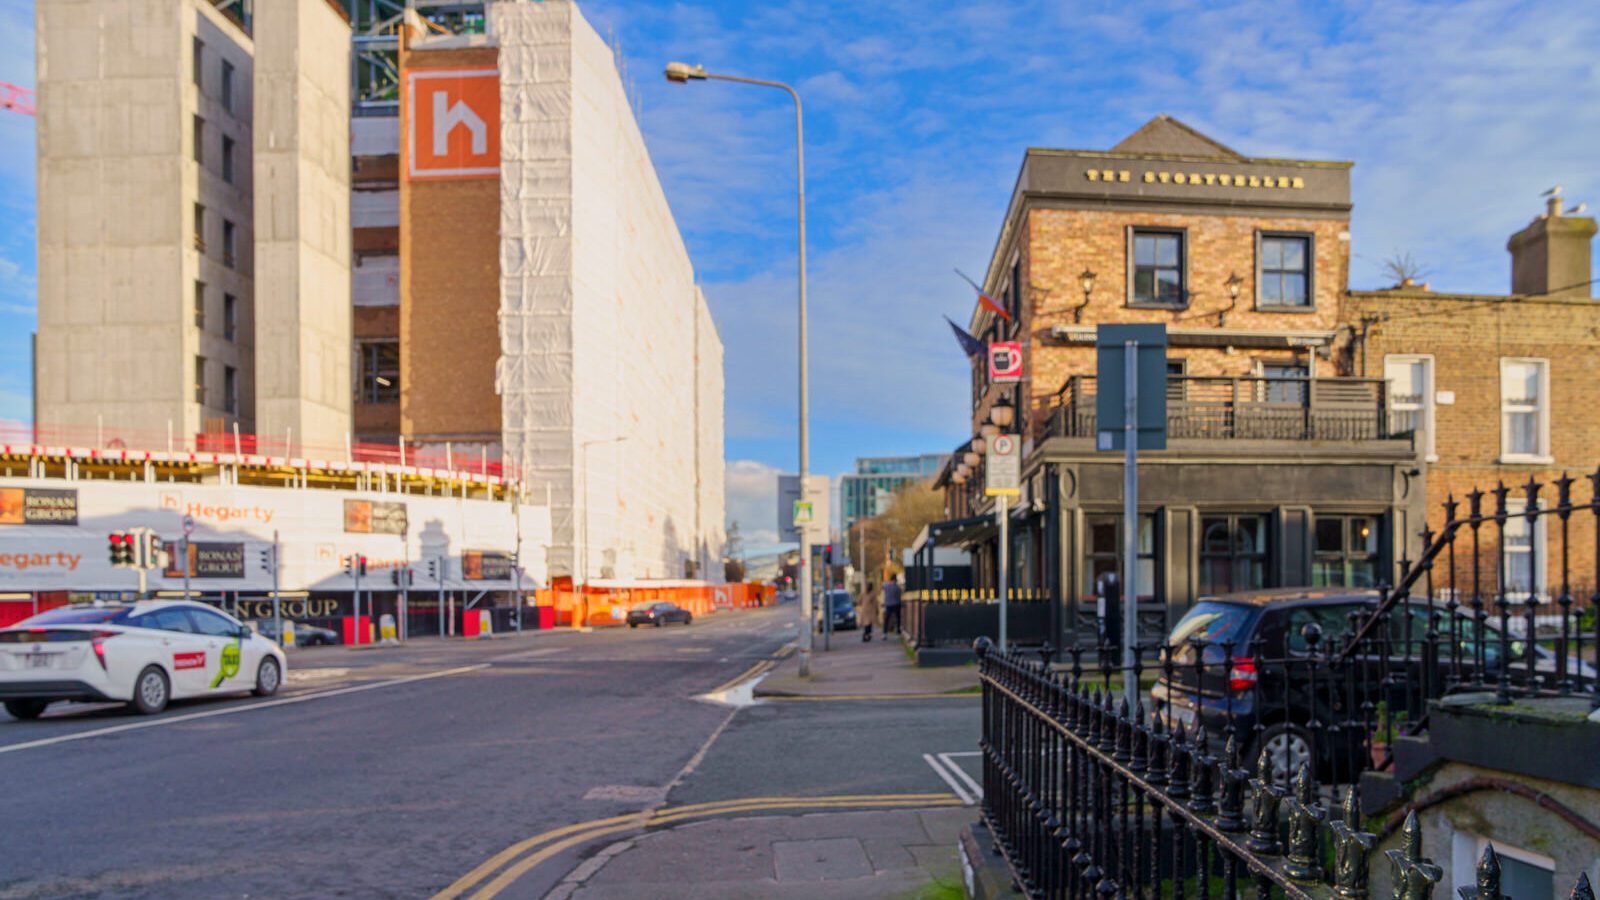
955 786
961 773
208 714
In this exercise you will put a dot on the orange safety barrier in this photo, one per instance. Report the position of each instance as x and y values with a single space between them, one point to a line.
608 603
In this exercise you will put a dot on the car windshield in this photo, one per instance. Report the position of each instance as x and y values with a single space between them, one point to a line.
841 601
1210 623
80 615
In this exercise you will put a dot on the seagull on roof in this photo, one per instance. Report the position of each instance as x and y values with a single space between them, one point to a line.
1576 210
1553 192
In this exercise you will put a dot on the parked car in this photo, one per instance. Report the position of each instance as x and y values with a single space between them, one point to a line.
843 607
305 633
144 654
658 613
1272 699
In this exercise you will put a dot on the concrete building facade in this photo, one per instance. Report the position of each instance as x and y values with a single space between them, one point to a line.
146 250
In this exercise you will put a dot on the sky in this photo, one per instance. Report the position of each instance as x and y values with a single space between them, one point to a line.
917 112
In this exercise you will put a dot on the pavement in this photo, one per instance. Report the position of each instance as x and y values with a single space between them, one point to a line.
854 668
509 767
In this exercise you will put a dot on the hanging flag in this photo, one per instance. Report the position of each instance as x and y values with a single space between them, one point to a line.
970 344
988 301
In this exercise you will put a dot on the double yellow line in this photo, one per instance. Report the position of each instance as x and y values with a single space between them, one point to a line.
518 859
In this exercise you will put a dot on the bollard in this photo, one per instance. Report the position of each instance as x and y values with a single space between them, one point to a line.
485 624
386 628
287 636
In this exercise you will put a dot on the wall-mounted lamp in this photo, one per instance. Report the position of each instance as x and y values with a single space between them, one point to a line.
1234 283
1002 413
1085 281
980 446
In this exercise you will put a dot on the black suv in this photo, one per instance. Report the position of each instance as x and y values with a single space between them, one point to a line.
1283 695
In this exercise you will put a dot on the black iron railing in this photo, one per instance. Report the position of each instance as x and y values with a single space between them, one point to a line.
1088 797
1276 408
957 617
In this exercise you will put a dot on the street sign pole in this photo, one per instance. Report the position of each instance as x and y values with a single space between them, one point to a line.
355 627
188 528
1005 566
1130 522
440 573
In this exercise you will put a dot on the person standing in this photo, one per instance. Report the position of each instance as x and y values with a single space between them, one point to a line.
891 606
867 616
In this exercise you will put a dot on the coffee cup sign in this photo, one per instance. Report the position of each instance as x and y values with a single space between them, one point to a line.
1005 362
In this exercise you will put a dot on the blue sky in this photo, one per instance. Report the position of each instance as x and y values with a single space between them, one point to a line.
1457 115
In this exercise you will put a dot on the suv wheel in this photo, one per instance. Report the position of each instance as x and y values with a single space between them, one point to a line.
1288 748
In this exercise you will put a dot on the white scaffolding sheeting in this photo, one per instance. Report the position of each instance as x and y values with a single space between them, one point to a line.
600 317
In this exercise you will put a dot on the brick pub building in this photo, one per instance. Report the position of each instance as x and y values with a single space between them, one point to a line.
1296 455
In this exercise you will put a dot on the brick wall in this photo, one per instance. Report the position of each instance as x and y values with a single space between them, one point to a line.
1467 338
1059 244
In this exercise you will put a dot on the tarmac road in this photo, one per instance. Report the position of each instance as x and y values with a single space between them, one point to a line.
376 773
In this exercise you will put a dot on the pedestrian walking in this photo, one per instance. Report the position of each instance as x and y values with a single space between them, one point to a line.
891 606
868 616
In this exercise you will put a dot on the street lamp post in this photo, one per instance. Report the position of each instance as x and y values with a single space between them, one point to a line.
683 73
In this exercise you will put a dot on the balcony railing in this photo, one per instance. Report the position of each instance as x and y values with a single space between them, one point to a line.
1249 408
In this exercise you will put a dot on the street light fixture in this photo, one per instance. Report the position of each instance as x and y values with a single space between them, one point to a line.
1002 413
971 458
979 446
988 430
683 73
1234 283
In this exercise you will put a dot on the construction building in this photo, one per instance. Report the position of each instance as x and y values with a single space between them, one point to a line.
422 231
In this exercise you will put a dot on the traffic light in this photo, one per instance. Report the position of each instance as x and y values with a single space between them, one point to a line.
361 565
349 563
267 560
120 544
827 554
433 570
152 551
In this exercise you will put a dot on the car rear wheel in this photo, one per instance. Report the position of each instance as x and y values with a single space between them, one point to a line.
268 678
151 691
1288 748
658 621
687 619
26 709
633 624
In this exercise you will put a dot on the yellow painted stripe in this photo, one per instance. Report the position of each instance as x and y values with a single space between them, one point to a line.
819 698
646 817
509 876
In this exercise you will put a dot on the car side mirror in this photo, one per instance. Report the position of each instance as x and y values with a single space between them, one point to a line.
245 631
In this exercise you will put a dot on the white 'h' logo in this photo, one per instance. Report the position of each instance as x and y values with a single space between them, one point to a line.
446 116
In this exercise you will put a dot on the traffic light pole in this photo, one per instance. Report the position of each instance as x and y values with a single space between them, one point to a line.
439 576
355 626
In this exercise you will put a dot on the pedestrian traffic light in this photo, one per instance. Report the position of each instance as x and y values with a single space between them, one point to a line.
827 554
120 544
152 551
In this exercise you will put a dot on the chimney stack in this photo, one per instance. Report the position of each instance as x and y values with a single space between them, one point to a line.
1550 257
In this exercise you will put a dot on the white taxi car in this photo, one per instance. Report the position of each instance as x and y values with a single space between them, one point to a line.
143 654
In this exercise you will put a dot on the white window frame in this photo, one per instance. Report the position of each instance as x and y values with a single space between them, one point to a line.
1467 848
1538 547
1542 409
1427 405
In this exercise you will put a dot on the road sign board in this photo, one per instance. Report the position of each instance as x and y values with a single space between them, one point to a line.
789 507
1002 468
1111 378
188 525
802 512
1005 362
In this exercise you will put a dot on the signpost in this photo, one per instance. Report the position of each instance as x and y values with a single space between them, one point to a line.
188 529
1129 357
1002 480
813 508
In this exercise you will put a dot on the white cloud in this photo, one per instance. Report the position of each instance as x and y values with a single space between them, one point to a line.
751 491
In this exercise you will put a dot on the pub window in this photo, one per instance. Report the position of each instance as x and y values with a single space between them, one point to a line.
1410 385
1103 553
1176 369
1346 551
1524 409
1285 383
1233 553
1158 266
380 372
1283 276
